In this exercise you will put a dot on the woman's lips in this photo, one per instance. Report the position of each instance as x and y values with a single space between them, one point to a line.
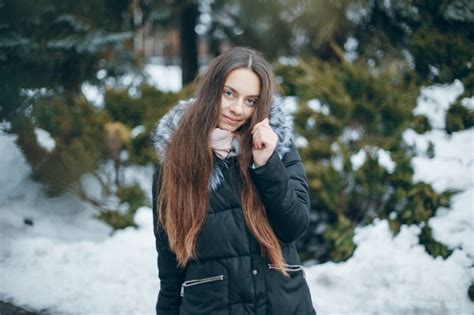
230 120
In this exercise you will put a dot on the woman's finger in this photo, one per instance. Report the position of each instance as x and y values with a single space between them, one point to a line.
262 137
266 128
257 139
265 122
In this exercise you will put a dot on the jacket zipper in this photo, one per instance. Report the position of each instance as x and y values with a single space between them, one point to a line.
190 283
291 268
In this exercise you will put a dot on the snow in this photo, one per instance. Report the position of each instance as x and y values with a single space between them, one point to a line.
452 166
301 142
44 139
385 160
310 123
165 78
391 275
337 160
350 49
435 100
137 131
394 275
350 134
93 94
288 61
383 157
468 102
455 226
130 175
5 126
64 218
74 265
358 159
318 107
112 276
141 175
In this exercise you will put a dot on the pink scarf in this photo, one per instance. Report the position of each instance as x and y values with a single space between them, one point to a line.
221 142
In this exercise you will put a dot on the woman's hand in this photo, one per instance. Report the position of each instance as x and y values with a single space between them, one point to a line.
264 141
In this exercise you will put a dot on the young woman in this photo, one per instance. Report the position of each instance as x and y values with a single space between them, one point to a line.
230 197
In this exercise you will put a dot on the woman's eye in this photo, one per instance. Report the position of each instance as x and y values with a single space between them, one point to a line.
228 93
251 101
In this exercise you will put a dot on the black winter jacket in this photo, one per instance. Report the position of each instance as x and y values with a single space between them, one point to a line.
230 275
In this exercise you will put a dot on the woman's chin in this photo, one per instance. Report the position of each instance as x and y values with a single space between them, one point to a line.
227 127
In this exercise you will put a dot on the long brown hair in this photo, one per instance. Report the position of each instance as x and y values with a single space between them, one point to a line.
183 197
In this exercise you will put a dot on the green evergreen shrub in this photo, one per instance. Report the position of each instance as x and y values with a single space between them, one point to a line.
433 247
420 124
77 129
470 292
144 110
134 198
458 118
367 112
430 151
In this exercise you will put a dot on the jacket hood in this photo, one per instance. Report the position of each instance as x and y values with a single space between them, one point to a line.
280 119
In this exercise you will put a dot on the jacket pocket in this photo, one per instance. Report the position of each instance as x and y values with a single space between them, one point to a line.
289 268
288 295
193 282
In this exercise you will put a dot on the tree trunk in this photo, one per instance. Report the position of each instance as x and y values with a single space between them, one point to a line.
188 37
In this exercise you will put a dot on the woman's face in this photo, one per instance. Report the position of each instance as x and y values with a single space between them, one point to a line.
239 98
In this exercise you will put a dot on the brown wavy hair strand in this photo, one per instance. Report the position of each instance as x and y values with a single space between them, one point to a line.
187 165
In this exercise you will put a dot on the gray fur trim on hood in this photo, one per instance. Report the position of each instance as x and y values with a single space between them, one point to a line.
280 118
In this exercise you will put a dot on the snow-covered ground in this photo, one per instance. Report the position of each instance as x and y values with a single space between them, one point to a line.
68 263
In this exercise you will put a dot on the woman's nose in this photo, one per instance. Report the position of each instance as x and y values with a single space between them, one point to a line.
237 106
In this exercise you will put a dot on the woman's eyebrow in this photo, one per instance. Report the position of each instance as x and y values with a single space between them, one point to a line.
237 92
